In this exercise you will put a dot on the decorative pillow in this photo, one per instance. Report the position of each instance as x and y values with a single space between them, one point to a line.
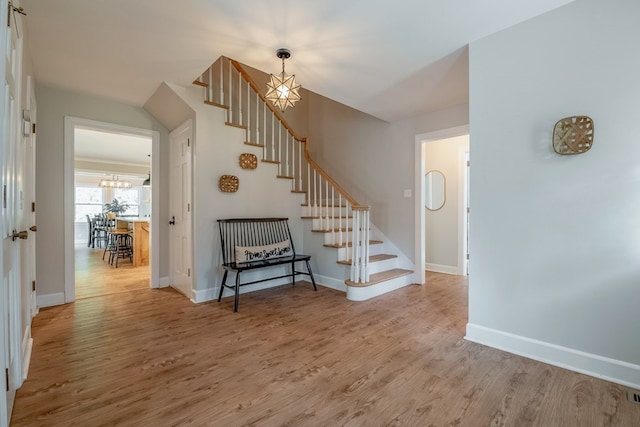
261 253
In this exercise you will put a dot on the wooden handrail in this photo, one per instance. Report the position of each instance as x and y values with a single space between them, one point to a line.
253 85
301 139
326 176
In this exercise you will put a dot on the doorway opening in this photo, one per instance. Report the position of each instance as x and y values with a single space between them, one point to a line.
95 152
441 231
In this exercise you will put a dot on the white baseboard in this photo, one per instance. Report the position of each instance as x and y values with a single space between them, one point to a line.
437 268
50 300
164 282
617 371
330 282
211 294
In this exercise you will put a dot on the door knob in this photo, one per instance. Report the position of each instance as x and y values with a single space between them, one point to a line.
33 228
173 221
24 234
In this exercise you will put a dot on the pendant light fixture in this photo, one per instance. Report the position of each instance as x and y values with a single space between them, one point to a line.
114 183
282 88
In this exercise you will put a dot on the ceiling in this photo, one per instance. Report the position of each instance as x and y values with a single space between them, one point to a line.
391 59
111 148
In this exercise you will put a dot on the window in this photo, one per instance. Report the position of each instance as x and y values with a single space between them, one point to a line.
130 196
88 202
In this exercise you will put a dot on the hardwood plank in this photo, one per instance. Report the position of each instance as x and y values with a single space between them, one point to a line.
294 357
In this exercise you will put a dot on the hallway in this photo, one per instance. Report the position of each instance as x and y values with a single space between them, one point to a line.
95 277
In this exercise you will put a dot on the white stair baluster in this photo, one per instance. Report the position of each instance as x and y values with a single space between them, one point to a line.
333 216
299 165
340 219
230 94
210 88
248 113
240 122
315 193
273 136
309 212
222 80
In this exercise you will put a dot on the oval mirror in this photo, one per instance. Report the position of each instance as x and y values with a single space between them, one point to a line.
434 190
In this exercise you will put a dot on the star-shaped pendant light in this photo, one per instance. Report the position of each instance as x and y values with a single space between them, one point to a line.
283 89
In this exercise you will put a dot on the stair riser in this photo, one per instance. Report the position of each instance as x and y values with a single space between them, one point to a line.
345 253
329 223
334 238
368 292
325 211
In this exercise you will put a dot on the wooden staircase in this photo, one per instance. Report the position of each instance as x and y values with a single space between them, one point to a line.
328 209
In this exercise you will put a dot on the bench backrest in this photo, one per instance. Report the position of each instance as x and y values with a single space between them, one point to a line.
251 232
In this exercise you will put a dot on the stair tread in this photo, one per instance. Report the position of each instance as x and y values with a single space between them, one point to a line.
253 144
323 217
203 84
372 258
215 104
320 205
235 125
383 276
332 230
348 244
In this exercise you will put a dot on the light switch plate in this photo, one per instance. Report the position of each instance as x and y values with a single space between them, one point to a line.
407 193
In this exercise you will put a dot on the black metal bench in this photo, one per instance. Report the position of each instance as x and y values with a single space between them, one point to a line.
254 243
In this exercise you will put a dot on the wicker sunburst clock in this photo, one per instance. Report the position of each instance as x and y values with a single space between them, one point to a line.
573 135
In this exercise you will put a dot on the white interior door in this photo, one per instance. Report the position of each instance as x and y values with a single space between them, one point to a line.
11 208
180 221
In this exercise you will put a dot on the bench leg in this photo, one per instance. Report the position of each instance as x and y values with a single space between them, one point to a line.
235 303
315 288
224 282
293 273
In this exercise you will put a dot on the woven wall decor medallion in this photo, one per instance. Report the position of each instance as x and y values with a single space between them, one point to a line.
229 183
248 161
573 135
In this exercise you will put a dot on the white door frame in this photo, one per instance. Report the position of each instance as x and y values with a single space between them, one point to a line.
419 209
70 124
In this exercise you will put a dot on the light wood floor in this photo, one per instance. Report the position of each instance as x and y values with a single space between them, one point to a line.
294 357
96 277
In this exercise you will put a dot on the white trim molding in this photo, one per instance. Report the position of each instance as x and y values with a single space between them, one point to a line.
49 300
70 123
419 209
446 269
613 370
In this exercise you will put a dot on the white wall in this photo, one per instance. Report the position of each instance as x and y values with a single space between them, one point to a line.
556 239
53 106
442 226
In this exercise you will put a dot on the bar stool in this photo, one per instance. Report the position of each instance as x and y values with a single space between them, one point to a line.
120 245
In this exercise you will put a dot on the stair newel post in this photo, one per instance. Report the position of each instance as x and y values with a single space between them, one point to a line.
309 212
365 244
230 94
222 80
354 247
